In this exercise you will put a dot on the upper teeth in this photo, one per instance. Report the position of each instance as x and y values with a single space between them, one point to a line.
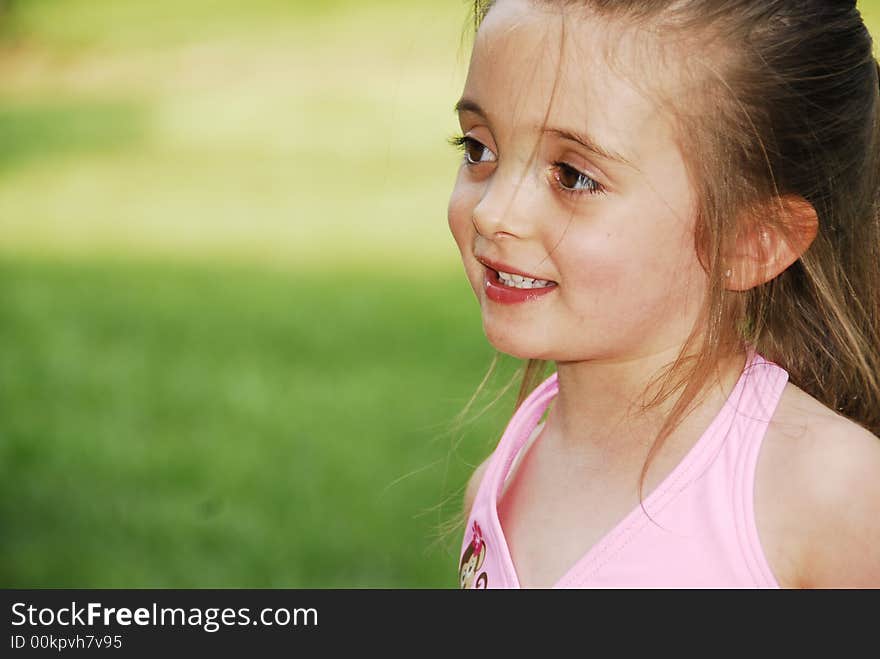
518 281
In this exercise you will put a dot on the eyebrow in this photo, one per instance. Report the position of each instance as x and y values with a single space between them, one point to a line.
468 105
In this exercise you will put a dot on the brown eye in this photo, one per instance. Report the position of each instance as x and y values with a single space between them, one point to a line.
475 152
569 177
571 180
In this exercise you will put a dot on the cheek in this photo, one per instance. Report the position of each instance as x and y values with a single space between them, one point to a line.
643 266
459 214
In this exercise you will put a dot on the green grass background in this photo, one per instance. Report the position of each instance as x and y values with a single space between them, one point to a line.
233 330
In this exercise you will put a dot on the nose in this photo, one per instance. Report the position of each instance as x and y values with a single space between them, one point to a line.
504 208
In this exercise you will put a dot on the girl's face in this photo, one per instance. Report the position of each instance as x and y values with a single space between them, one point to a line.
604 210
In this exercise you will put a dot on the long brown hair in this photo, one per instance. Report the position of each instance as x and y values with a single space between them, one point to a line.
785 102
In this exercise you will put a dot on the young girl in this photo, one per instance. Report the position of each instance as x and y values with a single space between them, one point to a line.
676 203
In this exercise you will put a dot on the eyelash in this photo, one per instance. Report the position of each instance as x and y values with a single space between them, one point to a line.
461 142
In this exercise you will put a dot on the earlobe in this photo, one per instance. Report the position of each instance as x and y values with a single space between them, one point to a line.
766 249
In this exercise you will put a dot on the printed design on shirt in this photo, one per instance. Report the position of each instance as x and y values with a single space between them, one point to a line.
472 560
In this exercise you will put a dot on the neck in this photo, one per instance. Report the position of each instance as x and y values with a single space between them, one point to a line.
600 405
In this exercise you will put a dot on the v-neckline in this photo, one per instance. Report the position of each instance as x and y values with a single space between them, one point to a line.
635 519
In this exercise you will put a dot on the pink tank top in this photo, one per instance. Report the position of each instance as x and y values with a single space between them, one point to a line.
701 532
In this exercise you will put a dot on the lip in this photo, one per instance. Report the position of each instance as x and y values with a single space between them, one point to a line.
498 292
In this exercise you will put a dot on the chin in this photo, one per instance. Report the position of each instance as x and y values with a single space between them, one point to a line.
520 347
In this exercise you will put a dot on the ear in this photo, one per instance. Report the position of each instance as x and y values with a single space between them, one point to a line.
765 249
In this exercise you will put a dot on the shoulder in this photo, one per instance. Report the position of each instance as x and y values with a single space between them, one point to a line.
821 485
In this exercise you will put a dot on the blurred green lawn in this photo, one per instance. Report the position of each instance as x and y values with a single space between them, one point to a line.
233 327
198 427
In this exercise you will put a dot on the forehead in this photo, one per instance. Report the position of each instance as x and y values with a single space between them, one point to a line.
534 65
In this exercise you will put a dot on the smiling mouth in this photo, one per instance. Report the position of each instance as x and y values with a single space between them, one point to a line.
505 287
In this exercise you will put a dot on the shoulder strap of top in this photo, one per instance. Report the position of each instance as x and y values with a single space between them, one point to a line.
760 403
519 429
